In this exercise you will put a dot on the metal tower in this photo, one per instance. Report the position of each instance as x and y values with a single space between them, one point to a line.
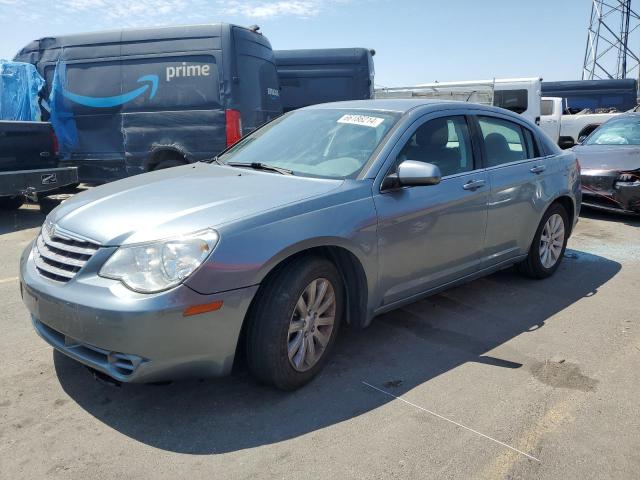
613 41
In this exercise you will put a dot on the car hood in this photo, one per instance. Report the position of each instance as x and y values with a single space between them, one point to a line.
180 200
608 157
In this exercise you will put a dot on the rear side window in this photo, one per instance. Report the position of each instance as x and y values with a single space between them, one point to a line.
181 83
505 141
515 100
140 85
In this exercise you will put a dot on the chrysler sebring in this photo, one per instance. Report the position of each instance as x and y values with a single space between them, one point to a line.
330 214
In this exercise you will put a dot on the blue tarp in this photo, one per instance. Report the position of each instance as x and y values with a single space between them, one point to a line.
20 84
60 115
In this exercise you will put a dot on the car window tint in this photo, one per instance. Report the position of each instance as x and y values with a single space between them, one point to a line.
444 142
504 141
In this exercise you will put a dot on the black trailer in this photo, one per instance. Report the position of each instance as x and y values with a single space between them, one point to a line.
315 76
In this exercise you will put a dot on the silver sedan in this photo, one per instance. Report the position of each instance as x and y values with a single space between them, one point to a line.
330 214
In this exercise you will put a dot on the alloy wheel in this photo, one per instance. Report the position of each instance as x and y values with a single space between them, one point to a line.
551 241
311 324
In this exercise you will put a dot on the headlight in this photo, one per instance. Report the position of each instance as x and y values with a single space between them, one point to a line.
155 266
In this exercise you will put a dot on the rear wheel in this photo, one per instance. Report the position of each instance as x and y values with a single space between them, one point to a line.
549 244
294 323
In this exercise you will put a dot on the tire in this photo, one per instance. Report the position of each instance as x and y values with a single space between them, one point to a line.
11 203
536 265
276 310
168 164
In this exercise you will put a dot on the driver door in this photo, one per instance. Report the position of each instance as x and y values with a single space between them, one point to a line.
429 236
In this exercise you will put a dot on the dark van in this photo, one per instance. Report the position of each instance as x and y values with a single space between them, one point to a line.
315 76
130 101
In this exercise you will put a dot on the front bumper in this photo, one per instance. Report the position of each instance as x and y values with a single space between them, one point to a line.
129 336
602 189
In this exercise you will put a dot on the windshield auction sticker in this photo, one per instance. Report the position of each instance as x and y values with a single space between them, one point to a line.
364 120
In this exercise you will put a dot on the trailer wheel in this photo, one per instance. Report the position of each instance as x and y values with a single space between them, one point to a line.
11 203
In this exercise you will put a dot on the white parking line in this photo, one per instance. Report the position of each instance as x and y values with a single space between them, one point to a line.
451 421
8 280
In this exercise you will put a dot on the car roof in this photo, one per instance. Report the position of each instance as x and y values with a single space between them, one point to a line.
392 104
403 105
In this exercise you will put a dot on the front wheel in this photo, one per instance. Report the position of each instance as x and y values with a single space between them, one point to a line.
294 323
549 244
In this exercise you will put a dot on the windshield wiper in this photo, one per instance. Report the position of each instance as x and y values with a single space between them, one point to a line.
262 166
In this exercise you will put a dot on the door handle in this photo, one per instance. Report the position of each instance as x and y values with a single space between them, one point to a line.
473 184
538 169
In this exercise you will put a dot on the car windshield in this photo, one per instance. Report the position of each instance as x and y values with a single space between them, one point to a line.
618 131
324 143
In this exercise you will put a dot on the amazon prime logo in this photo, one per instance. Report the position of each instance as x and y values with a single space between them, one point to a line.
150 82
184 70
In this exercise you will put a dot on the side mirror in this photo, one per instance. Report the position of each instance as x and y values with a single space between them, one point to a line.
413 174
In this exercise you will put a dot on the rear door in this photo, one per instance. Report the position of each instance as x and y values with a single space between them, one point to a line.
255 86
432 235
517 172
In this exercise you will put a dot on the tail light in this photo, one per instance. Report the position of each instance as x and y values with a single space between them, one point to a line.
234 127
54 143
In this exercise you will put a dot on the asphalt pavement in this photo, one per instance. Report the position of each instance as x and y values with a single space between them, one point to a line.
504 377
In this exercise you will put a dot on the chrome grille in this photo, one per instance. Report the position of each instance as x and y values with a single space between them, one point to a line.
59 256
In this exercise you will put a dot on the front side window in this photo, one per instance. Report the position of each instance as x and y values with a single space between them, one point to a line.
323 143
505 141
617 131
444 142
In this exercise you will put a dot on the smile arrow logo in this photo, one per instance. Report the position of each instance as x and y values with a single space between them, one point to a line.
106 102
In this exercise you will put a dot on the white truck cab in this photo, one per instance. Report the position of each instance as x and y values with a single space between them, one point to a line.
566 129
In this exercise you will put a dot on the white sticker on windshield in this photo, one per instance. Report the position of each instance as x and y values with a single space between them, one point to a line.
364 120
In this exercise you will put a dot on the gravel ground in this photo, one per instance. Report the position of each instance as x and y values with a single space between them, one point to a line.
500 378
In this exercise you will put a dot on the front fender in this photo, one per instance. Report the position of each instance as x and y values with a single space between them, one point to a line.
248 250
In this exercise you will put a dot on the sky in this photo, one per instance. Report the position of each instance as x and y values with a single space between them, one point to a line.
416 41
